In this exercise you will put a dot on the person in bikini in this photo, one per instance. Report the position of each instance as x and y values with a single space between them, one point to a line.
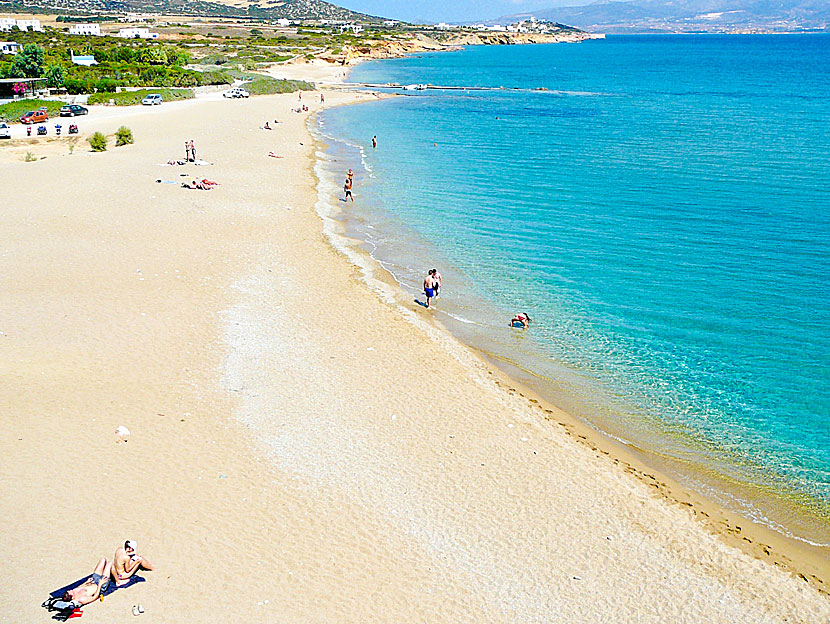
90 590
127 562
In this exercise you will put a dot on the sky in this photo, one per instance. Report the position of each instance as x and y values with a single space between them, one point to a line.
450 10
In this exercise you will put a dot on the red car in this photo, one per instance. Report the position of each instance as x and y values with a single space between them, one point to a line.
34 117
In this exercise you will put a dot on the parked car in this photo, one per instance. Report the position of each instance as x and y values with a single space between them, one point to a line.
236 92
5 131
70 110
35 116
152 99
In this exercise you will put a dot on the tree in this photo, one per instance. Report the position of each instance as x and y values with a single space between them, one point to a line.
28 62
153 55
55 75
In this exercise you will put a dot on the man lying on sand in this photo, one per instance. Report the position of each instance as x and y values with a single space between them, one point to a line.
91 589
127 562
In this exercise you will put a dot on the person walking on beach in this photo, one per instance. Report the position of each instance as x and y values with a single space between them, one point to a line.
193 150
429 287
187 151
322 99
347 189
374 141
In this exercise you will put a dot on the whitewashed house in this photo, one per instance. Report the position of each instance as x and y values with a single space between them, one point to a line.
85 60
9 47
85 29
136 33
8 23
32 24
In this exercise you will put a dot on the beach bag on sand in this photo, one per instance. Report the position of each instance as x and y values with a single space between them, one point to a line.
65 610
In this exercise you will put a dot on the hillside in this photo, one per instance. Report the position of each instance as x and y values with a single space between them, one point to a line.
691 16
267 9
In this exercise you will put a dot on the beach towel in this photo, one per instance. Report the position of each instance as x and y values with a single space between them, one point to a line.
112 587
64 614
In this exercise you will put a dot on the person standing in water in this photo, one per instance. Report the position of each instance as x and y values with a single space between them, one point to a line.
374 141
347 189
439 281
429 287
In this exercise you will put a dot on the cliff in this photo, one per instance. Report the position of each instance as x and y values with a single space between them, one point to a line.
395 48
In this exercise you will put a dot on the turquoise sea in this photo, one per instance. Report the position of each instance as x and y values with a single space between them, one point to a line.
661 210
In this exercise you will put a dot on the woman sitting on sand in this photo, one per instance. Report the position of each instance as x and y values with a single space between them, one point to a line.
521 318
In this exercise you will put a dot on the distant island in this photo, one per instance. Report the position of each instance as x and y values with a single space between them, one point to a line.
689 16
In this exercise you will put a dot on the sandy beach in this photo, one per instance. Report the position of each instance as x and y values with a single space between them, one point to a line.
305 446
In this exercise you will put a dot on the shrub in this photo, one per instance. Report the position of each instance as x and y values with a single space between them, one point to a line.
123 136
29 157
262 86
13 110
98 142
130 98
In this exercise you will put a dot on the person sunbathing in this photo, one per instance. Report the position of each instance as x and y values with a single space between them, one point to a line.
195 185
127 562
91 589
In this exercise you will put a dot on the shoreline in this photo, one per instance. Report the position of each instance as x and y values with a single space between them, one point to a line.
279 438
802 557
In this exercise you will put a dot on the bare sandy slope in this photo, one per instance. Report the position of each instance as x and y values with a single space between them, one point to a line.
301 451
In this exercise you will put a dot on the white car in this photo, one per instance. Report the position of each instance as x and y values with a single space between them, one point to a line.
152 99
5 131
236 92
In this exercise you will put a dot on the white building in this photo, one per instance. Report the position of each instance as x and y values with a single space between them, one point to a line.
33 25
8 23
136 33
355 28
9 47
283 23
85 29
86 61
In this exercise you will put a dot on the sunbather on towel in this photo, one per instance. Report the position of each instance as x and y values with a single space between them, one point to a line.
127 562
195 185
90 589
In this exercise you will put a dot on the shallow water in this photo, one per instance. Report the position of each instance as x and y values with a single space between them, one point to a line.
661 212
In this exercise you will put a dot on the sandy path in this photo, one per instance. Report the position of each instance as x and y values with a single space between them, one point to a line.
301 451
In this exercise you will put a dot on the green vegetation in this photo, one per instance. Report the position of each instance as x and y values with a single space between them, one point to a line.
13 111
130 98
123 136
98 142
29 157
263 86
120 63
